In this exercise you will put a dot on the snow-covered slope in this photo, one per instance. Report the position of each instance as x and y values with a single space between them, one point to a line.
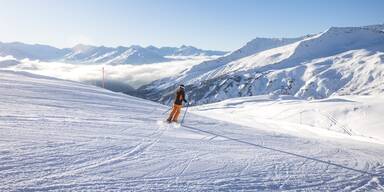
356 116
255 46
65 136
338 61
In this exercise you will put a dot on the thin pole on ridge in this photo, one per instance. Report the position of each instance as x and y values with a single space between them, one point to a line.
103 84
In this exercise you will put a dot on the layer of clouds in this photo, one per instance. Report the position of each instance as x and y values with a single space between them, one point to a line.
132 75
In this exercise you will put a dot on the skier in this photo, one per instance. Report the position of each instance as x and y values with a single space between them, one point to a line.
180 97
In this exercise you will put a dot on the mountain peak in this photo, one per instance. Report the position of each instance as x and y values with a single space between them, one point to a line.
151 47
82 47
378 27
184 46
136 47
369 28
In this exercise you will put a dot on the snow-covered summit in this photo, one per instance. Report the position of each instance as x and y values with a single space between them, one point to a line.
82 48
120 55
30 51
333 41
184 50
255 46
337 40
379 27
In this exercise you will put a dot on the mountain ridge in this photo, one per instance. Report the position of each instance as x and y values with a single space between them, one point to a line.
89 54
339 61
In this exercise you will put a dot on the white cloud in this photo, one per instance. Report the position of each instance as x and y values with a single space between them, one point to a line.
133 75
8 57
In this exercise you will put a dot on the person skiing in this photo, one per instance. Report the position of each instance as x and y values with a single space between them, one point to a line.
177 104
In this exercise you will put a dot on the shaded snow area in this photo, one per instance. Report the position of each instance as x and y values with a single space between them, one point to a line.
65 136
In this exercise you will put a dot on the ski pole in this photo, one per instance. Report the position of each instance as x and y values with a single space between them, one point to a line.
186 109
167 111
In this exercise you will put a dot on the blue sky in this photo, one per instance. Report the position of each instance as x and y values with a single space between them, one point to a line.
209 24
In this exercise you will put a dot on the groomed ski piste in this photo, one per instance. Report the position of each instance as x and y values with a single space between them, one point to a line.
61 135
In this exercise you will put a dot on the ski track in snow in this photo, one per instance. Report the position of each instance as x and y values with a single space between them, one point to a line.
64 136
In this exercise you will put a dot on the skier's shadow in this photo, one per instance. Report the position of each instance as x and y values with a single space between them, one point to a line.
282 151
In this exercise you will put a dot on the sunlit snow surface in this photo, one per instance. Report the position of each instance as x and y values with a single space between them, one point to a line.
65 136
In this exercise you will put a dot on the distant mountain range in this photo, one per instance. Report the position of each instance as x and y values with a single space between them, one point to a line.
339 61
88 54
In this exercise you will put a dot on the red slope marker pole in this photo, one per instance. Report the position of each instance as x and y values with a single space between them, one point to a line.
103 79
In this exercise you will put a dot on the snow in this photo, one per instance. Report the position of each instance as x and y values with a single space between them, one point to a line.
184 51
354 117
253 47
329 43
339 61
36 51
88 54
65 136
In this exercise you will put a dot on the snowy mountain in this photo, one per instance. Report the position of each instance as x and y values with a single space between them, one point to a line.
8 61
34 52
255 46
379 27
184 51
120 55
66 136
87 54
339 61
